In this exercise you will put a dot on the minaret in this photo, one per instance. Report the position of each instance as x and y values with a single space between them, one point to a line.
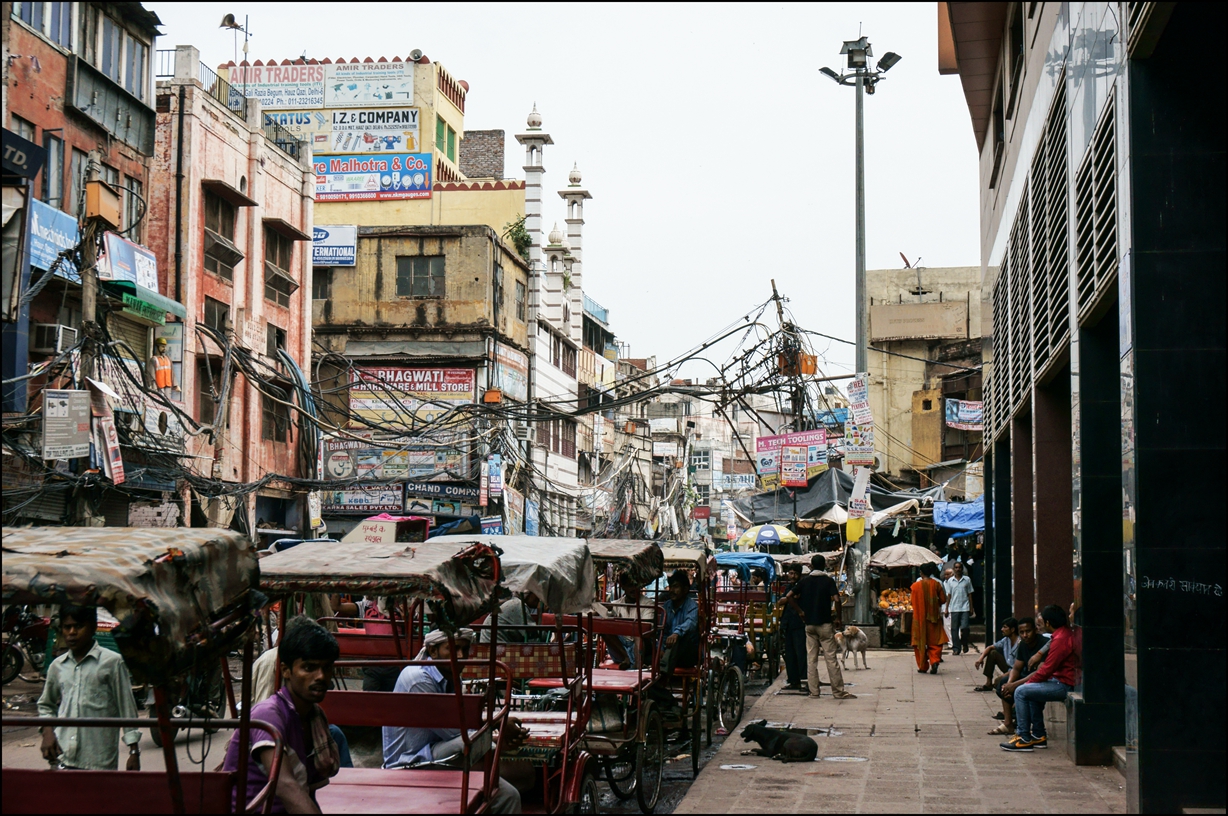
534 142
575 196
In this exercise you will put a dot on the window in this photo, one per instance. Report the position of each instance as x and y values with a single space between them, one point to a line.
108 59
274 416
567 438
135 53
76 181
221 254
562 355
52 20
451 144
23 128
521 301
217 314
420 276
279 284
134 207
110 175
321 284
441 135
1015 57
701 460
705 494
208 384
274 339
53 170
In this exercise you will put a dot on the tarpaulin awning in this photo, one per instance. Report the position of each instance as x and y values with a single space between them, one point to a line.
460 579
903 555
829 489
744 562
686 558
148 295
960 515
642 560
166 587
559 571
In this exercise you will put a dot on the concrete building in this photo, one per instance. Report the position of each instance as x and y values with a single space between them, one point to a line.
231 226
1102 202
926 322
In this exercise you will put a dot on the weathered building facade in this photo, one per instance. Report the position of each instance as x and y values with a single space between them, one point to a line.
1102 246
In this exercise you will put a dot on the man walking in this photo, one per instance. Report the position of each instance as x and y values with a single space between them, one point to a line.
812 600
959 604
928 635
795 635
87 681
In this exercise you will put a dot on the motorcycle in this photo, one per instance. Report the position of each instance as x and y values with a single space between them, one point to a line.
25 638
201 696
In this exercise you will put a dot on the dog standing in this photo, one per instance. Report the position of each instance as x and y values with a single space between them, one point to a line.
853 641
785 746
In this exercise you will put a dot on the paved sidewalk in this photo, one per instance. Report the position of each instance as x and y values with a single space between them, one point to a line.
910 743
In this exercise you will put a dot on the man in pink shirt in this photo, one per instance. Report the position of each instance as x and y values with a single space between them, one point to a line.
1051 682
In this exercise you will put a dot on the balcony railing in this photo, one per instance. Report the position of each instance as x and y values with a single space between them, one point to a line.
284 139
164 63
222 91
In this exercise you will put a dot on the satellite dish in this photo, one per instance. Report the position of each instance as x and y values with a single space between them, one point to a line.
415 55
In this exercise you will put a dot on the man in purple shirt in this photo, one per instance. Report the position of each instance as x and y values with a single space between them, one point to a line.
306 653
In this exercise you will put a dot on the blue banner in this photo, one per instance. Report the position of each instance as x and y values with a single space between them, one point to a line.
50 232
531 526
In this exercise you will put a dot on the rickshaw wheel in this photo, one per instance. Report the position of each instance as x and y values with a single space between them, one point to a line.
710 702
732 697
696 730
590 796
621 777
650 763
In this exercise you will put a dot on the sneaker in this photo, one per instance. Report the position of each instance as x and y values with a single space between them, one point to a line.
1040 742
1016 743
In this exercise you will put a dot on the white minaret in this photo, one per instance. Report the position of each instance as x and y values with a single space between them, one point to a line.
574 196
534 142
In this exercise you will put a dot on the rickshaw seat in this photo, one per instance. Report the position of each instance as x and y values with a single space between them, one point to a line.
625 627
420 790
380 708
605 681
361 643
26 790
526 660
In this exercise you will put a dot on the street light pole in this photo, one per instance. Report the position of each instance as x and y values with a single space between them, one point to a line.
863 333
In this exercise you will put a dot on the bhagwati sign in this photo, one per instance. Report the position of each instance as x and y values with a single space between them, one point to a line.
402 394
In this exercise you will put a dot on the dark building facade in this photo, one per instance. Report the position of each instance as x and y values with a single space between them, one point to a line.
1102 198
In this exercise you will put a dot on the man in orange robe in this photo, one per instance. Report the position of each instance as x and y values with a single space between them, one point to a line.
928 635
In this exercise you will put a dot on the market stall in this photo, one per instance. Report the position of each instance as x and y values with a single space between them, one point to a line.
891 575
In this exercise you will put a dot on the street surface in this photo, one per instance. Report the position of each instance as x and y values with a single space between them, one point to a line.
910 743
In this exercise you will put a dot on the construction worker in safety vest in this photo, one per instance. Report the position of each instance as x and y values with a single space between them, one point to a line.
158 373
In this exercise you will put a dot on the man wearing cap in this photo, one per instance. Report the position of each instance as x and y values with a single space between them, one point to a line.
159 373
408 747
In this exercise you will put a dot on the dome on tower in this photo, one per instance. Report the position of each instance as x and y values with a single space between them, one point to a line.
555 237
574 175
535 119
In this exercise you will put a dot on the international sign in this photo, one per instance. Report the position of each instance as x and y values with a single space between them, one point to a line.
66 424
334 245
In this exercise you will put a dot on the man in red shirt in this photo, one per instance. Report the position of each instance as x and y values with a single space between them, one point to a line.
1051 682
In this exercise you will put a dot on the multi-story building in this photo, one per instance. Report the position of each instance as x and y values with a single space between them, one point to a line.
1102 203
231 225
78 95
926 324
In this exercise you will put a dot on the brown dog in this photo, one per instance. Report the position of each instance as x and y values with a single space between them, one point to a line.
853 640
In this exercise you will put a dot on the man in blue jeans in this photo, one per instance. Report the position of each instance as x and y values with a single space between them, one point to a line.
959 605
1051 682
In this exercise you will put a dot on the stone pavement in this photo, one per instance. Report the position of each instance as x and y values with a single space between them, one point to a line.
910 743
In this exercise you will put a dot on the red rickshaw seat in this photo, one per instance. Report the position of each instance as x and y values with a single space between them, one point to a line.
28 790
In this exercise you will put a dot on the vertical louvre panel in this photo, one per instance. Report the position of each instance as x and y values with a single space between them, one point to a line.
1001 400
1096 215
1021 304
1048 181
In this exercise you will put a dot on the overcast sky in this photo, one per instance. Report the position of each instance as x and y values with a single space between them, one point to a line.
717 155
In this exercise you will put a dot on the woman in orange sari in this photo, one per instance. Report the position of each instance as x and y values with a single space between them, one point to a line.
928 596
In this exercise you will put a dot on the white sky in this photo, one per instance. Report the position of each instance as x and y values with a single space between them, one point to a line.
717 155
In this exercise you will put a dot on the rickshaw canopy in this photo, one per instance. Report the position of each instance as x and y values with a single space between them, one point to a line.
559 571
169 589
686 558
744 562
642 560
460 579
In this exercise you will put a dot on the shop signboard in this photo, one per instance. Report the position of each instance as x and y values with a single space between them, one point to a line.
368 177
397 394
665 449
965 415
123 260
362 130
442 490
364 84
793 465
767 460
364 500
334 245
701 512
859 399
492 525
496 476
66 424
512 372
51 232
279 87
531 521
513 510
858 445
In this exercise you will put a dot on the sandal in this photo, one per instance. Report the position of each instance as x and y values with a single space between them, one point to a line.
1001 731
985 687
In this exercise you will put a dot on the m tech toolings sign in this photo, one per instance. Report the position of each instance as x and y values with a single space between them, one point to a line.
385 177
387 395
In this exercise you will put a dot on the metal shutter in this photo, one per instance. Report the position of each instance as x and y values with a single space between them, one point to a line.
134 334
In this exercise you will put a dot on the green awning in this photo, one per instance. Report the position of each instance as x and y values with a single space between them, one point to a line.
147 295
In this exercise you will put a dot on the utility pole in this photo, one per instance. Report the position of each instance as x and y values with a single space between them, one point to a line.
863 340
89 278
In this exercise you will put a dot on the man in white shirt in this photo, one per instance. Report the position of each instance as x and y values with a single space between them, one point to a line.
959 605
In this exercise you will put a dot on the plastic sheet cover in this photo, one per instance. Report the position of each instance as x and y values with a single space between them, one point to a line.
560 571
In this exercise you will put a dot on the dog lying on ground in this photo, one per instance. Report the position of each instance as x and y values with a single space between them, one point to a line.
853 641
785 746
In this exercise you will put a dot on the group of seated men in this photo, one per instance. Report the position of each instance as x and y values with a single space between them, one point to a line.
315 750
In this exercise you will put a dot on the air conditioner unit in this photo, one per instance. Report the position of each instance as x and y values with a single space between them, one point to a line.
52 338
524 432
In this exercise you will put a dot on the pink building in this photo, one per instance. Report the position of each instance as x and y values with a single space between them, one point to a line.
231 224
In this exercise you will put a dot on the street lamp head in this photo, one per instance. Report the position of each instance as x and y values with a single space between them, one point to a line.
889 59
829 73
858 51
